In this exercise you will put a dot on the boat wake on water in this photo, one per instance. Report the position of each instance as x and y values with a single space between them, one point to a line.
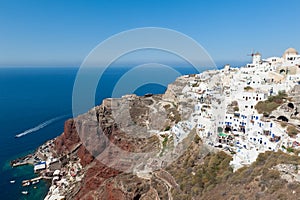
40 126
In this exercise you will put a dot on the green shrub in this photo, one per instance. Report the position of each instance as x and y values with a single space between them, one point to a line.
291 131
167 128
290 150
236 109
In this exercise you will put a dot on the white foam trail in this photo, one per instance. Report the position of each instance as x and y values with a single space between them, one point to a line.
40 126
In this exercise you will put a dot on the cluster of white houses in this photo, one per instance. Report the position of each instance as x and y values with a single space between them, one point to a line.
225 114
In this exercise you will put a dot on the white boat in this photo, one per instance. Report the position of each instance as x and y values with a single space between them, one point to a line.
24 192
35 182
26 184
12 181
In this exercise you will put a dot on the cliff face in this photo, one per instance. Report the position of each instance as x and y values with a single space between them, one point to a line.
66 141
101 181
105 138
95 172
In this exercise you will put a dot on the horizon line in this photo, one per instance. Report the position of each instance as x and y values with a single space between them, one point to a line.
125 64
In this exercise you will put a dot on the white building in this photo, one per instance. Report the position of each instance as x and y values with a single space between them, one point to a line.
39 166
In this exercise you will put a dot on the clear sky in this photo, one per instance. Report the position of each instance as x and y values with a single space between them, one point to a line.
63 32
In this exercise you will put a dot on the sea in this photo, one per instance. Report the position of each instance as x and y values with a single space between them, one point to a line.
35 102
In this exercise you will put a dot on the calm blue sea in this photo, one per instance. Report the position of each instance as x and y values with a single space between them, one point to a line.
31 96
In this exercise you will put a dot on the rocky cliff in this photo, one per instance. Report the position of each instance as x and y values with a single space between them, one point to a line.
105 138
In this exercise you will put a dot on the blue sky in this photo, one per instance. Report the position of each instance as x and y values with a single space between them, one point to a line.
63 32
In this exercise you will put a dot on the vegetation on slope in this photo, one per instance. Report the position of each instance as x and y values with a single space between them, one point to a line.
291 131
206 175
197 173
272 103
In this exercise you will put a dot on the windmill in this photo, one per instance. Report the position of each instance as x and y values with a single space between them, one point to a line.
252 53
256 57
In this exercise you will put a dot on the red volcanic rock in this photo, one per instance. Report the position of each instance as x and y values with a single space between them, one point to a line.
93 180
101 137
69 139
85 156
